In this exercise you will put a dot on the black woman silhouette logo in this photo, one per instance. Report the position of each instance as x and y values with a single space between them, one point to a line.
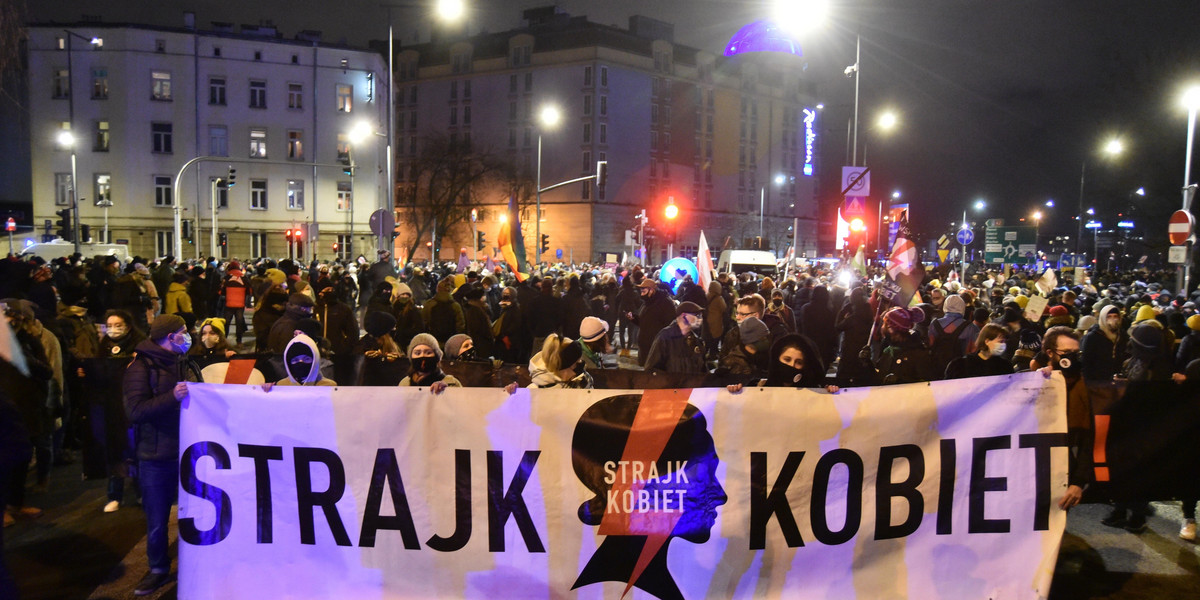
651 464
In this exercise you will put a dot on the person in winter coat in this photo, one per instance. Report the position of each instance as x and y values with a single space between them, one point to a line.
424 354
442 315
270 308
507 329
1189 349
178 301
302 363
1105 346
381 358
28 390
794 362
988 360
854 322
213 346
575 307
716 315
299 306
339 327
106 408
818 323
906 359
628 303
944 334
155 383
479 325
235 291
559 365
749 360
678 347
778 308
544 314
658 311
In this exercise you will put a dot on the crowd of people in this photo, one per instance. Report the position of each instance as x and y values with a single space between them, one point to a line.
133 334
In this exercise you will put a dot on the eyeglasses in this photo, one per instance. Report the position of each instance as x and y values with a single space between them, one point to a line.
745 314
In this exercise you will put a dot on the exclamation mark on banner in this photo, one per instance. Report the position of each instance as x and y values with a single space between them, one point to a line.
1098 455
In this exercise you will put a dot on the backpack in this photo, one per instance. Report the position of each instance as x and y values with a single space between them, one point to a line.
945 346
442 322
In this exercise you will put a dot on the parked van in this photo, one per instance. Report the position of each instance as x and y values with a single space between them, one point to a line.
742 261
61 248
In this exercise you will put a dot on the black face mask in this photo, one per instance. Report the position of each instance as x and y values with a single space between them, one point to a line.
578 368
468 355
790 374
1069 362
425 364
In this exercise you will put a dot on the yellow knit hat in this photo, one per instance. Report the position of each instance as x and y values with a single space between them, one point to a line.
217 324
1193 322
1021 301
1145 313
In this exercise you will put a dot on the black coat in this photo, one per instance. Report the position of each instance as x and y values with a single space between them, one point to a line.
150 404
657 312
339 327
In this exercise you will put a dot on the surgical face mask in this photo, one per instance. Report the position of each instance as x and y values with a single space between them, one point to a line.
425 364
182 342
695 322
997 349
116 332
209 340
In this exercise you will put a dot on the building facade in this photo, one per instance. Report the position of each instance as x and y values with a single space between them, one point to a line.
144 101
729 141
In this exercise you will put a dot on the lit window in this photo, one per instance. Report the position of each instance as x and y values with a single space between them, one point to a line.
102 137
345 195
295 194
160 86
345 97
258 143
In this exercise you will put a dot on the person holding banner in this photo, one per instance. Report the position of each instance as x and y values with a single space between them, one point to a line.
559 365
425 354
906 359
1061 345
155 383
989 360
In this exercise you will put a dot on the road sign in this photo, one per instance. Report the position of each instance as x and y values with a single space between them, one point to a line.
1177 255
383 223
966 236
855 206
1009 245
943 242
1179 229
1073 260
10 225
856 181
994 223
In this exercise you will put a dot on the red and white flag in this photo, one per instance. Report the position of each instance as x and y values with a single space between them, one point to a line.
704 263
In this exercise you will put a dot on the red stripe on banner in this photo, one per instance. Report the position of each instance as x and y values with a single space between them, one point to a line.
658 414
239 370
1098 454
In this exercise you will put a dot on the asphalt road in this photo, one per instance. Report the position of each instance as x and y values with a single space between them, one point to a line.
77 551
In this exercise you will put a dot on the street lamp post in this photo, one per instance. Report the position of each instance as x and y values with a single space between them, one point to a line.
547 118
1191 100
66 139
1112 148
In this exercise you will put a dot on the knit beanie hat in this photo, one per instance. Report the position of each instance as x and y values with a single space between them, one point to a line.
1058 310
401 288
1145 313
752 330
1086 323
165 325
378 322
903 319
1022 300
217 324
1146 336
454 344
1193 322
424 339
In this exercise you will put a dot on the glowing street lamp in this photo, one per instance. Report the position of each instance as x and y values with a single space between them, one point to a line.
548 118
1111 149
887 120
450 10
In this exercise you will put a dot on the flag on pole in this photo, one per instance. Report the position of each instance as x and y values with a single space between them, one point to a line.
464 263
704 263
860 262
904 268
512 242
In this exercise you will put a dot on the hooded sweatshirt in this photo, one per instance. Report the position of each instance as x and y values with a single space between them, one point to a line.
302 362
1103 348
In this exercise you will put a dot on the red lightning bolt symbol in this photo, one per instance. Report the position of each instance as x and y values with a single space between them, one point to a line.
658 414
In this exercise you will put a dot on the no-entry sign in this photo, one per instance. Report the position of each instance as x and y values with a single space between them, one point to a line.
1179 229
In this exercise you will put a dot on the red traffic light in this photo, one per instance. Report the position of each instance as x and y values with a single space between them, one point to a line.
298 233
671 211
287 233
856 224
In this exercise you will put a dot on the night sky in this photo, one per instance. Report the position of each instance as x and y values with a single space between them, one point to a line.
1000 100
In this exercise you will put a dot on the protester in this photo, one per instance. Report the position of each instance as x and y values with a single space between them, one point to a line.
155 383
380 353
302 363
213 344
424 354
559 365
593 341
657 312
678 347
988 360
907 359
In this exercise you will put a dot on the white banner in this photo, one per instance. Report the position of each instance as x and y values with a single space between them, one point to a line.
940 490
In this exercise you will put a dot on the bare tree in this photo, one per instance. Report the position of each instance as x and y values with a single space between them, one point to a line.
12 35
444 183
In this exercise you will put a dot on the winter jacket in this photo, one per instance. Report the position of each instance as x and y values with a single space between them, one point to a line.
339 327
178 300
675 352
657 313
540 377
716 313
906 362
443 317
150 403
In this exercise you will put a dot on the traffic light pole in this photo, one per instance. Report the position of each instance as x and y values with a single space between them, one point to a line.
213 204
601 166
74 201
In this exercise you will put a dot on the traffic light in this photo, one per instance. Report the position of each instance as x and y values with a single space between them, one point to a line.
85 233
545 243
64 224
348 170
672 213
186 230
298 234
601 175
480 243
287 233
231 179
858 234
222 240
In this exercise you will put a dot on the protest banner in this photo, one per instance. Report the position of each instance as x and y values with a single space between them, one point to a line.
933 490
